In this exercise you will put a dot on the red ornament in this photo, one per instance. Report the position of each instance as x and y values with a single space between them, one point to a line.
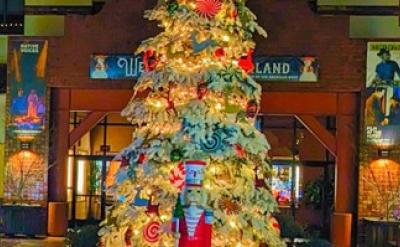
246 62
234 13
152 209
177 176
150 60
142 158
202 90
219 52
251 109
124 162
240 152
151 232
208 8
170 105
275 224
128 236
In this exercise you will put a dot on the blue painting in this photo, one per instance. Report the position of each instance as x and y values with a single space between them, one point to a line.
27 87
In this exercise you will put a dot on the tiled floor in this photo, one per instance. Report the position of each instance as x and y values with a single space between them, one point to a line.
49 242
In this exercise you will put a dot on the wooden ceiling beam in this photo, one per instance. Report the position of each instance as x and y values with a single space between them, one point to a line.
354 9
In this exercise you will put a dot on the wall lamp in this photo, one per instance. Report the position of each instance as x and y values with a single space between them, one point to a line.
383 152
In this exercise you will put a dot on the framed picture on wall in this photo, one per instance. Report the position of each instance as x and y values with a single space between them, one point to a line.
382 107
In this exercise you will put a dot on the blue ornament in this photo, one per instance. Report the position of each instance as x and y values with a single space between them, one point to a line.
122 198
214 143
140 202
121 176
199 46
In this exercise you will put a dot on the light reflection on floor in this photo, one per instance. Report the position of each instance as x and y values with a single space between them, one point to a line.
18 242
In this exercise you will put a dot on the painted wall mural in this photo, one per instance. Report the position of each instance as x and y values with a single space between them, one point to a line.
26 148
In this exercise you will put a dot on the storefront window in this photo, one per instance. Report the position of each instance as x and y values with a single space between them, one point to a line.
91 165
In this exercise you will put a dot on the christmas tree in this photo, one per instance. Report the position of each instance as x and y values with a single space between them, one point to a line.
196 173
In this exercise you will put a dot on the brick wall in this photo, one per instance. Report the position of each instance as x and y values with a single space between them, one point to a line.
293 30
379 185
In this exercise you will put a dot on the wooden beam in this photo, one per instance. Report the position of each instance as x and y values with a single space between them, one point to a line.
313 103
322 8
114 100
86 125
326 138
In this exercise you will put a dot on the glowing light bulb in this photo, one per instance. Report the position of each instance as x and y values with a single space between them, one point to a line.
149 192
136 232
218 106
192 5
232 224
158 104
225 38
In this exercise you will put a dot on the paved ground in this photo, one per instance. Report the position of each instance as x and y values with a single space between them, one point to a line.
49 242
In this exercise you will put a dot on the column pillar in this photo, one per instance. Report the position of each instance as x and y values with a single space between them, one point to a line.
346 170
58 158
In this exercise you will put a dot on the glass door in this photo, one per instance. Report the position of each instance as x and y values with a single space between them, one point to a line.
89 189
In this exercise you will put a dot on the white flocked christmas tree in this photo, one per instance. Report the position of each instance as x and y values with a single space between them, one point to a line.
196 173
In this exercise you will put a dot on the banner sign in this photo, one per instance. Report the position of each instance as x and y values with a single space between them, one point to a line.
382 108
292 69
26 149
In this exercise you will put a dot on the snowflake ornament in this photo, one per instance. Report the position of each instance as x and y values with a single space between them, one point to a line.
208 8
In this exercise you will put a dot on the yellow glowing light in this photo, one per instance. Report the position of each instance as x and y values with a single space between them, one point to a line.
136 232
225 38
232 224
213 170
163 217
149 192
218 106
192 5
70 171
81 177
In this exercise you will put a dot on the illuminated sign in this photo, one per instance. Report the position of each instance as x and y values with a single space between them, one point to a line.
292 69
26 123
